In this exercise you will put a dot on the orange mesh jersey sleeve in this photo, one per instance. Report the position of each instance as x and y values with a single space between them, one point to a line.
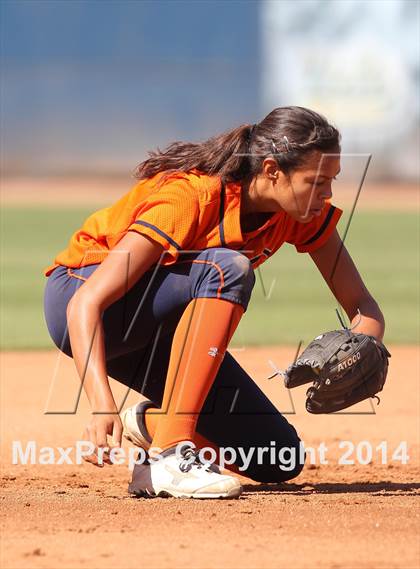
308 237
169 216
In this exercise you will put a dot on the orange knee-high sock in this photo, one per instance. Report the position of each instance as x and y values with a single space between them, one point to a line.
200 341
151 419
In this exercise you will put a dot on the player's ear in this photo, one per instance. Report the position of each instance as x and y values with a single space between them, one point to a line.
270 169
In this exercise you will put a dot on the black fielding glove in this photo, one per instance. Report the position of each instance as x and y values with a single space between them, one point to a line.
344 369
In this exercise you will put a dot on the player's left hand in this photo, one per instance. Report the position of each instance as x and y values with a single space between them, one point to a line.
345 368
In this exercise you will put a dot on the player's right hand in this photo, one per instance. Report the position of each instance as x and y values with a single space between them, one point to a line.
100 427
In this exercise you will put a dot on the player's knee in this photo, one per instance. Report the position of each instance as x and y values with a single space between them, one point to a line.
288 464
238 274
227 274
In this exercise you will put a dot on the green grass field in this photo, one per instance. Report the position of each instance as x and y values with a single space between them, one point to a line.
384 246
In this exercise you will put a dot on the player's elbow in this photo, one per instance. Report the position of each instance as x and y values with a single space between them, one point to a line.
372 318
370 309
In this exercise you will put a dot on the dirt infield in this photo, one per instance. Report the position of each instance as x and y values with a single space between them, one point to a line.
332 516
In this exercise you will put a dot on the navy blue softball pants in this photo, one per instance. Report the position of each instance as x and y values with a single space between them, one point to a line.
138 331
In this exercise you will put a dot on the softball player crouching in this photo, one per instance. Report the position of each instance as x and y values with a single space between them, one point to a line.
151 289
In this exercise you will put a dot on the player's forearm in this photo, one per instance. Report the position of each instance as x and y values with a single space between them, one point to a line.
87 344
370 320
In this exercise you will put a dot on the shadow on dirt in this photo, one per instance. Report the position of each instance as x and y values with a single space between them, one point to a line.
381 488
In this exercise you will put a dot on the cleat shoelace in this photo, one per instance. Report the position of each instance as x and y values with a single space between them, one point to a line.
190 458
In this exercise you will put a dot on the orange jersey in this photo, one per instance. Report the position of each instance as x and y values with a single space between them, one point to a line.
189 212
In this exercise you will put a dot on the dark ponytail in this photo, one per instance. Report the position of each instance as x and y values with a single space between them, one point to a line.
288 133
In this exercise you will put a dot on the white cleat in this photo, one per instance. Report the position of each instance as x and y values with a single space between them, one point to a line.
178 472
134 425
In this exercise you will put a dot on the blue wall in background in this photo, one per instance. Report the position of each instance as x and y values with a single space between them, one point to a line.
93 84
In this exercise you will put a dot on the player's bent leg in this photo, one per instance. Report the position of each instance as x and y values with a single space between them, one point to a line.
221 282
248 421
249 418
237 415
221 292
198 348
227 277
